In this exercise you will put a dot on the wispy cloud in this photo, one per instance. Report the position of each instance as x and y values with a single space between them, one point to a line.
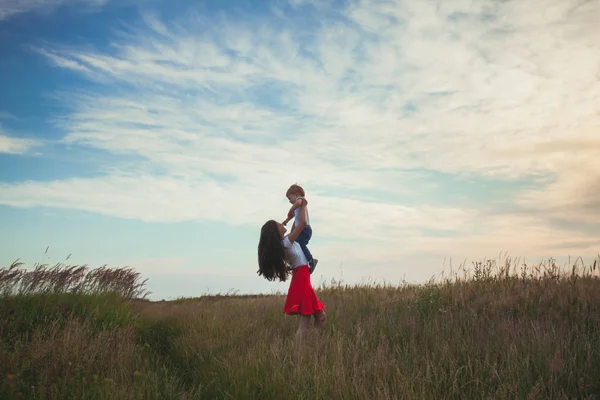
9 8
225 109
15 145
6 115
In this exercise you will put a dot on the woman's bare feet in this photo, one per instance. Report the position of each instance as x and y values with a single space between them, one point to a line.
319 319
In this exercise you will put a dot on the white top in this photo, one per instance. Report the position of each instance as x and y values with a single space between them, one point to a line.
294 254
297 213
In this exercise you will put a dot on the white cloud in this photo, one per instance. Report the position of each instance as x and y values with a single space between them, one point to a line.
14 145
9 8
482 89
163 199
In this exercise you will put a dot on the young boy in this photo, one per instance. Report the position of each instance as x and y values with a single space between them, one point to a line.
295 195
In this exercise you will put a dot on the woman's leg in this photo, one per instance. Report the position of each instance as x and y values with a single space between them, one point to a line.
319 319
304 325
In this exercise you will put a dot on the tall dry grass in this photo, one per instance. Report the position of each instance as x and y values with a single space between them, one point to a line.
494 331
60 278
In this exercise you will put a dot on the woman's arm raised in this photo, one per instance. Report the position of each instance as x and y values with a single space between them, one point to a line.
299 224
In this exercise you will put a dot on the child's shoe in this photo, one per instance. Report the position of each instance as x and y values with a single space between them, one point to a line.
312 265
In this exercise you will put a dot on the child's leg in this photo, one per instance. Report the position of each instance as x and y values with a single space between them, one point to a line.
303 239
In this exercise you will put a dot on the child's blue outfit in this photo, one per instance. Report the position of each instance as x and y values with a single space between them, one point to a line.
304 238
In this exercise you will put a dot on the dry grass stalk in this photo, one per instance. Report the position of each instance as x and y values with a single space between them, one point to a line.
75 279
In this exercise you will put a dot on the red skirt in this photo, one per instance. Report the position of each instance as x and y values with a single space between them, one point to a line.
301 298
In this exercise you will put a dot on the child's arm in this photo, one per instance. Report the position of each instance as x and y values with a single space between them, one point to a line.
289 216
291 212
297 204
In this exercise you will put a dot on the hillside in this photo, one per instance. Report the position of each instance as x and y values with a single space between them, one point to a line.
507 331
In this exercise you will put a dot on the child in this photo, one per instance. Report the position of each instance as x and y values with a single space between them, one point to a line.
277 253
295 195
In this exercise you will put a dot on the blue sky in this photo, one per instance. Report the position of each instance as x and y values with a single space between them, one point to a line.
161 135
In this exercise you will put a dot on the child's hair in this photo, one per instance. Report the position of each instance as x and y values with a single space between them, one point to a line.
271 255
295 189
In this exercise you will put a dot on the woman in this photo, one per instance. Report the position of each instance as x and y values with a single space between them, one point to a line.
277 254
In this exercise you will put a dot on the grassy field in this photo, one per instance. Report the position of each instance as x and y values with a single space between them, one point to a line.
499 332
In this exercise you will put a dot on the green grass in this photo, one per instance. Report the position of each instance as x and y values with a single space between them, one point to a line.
500 332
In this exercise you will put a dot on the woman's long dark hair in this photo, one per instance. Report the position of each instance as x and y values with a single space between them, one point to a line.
271 256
